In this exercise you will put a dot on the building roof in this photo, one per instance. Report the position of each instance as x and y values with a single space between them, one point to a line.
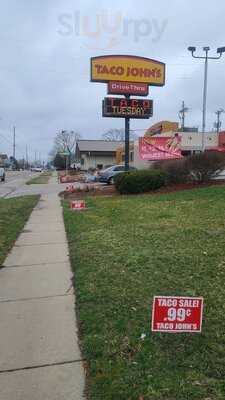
3 156
98 145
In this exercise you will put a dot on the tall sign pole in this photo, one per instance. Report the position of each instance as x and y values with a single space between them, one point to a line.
127 140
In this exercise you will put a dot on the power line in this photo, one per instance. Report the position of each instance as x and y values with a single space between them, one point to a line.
11 143
21 150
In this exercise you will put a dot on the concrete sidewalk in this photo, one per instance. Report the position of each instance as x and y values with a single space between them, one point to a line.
39 352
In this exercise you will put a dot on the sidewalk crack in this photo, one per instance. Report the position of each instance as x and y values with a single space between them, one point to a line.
41 366
35 298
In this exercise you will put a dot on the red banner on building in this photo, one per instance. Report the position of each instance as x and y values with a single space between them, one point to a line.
177 314
160 148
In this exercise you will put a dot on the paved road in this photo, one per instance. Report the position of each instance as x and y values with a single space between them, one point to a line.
14 180
42 189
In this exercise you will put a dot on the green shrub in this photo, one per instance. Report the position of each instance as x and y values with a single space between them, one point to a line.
140 181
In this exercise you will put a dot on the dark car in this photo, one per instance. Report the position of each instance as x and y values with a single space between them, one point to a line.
108 175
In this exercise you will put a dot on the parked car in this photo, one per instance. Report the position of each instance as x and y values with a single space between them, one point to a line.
2 174
108 175
36 169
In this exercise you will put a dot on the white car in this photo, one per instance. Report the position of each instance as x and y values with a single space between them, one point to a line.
36 169
2 174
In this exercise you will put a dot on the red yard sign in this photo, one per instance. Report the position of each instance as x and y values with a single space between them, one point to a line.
177 314
78 205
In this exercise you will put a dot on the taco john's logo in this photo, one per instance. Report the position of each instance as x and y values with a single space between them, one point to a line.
127 69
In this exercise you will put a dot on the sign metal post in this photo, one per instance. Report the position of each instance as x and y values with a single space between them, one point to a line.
127 140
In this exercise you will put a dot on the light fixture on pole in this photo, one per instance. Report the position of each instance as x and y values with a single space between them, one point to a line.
220 51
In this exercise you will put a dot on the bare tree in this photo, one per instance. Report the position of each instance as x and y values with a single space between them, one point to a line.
66 141
117 134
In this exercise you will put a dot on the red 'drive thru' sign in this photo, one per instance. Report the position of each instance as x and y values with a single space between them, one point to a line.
177 314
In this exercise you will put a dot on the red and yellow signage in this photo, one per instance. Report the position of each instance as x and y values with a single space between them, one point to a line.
160 148
127 69
177 314
162 127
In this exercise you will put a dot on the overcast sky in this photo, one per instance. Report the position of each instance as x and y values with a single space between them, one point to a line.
45 64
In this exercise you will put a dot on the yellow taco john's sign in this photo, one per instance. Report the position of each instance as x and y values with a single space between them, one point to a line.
127 69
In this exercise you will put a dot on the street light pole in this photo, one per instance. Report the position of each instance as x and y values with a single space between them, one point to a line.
205 91
220 51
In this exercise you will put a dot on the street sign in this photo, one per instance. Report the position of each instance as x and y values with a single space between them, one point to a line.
136 89
127 108
125 68
65 153
177 314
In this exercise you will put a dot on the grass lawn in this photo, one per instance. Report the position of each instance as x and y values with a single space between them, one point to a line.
42 178
13 216
125 250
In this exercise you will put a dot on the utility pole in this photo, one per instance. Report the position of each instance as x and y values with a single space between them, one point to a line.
220 51
26 157
218 121
14 142
182 113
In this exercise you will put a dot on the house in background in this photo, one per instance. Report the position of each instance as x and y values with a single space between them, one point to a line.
3 159
96 153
